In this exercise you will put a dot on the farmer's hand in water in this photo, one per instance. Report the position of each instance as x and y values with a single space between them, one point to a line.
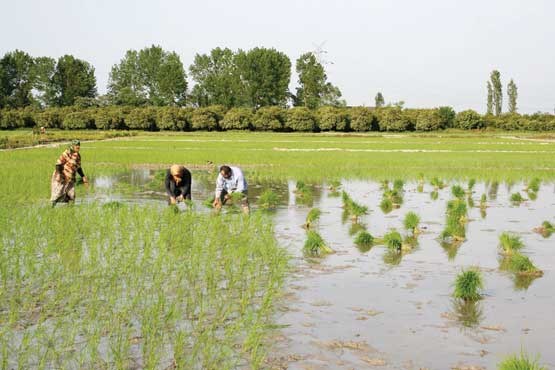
172 200
85 181
227 197
179 198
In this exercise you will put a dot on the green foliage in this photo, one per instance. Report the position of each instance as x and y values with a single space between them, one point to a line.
300 119
332 119
142 119
218 81
458 191
72 78
237 119
497 90
468 285
173 118
315 246
78 120
437 183
411 221
312 216
364 239
520 362
266 74
447 116
16 79
510 242
313 85
468 120
149 76
471 184
207 118
269 118
512 93
534 185
393 240
517 198
361 119
268 200
11 119
429 120
393 119
379 100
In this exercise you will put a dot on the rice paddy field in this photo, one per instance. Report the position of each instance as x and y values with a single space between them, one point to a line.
360 252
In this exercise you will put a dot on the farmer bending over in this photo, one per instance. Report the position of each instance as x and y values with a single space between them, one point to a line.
178 184
230 180
63 178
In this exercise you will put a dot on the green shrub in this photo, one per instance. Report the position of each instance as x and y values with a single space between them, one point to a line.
50 117
361 119
393 119
393 240
207 118
109 118
447 116
142 119
269 118
300 119
364 239
11 119
237 119
173 118
429 120
469 120
78 120
468 285
332 119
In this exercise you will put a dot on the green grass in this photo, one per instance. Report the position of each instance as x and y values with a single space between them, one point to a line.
468 285
520 362
93 286
534 185
458 192
516 198
268 200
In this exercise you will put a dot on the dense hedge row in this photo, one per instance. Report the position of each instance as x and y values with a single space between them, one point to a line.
359 119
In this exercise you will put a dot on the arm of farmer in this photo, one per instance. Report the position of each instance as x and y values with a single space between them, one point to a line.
82 174
187 181
219 189
167 184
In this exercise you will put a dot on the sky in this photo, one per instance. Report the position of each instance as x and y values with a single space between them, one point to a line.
427 53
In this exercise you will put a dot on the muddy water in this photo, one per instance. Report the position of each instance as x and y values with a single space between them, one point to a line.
368 309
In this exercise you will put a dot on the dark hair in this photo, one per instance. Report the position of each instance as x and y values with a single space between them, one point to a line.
225 169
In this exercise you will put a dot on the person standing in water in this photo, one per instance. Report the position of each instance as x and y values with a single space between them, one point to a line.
231 180
62 185
178 184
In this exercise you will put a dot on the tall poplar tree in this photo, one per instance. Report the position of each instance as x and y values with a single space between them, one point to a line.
379 99
490 99
497 92
512 93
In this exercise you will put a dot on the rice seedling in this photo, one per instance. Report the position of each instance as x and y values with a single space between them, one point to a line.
546 229
208 202
468 285
356 227
268 200
334 185
434 195
420 186
520 264
510 243
398 185
470 201
411 222
312 216
533 185
532 195
483 201
315 246
516 198
364 240
437 183
386 205
303 193
357 211
458 192
384 184
458 210
471 184
520 362
393 241
347 201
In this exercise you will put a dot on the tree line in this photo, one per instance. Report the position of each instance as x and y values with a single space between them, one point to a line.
154 77
82 115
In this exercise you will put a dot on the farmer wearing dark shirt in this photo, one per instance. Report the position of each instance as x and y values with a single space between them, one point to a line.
178 184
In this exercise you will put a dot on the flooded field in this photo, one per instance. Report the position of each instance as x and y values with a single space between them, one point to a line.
371 308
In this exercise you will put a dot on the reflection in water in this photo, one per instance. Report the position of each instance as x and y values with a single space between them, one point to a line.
356 227
434 195
392 257
451 248
493 189
467 313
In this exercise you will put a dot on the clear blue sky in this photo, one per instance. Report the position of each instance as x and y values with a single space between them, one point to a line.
427 52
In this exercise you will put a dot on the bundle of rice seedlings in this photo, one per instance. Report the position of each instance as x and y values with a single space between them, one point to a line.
458 191
268 200
468 285
209 202
454 231
334 185
546 229
457 209
398 185
510 242
395 196
357 211
470 201
384 184
521 264
347 201
517 198
312 216
315 246
411 222
520 362
437 183
364 238
534 185
483 201
393 240
471 184
386 205
434 195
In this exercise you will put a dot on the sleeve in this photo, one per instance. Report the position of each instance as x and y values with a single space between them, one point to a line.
80 172
167 184
63 159
240 181
219 185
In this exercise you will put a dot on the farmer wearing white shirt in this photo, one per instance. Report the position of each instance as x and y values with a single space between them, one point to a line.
229 181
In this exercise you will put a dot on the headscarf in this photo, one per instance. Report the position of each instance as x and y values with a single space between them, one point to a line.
177 170
73 143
